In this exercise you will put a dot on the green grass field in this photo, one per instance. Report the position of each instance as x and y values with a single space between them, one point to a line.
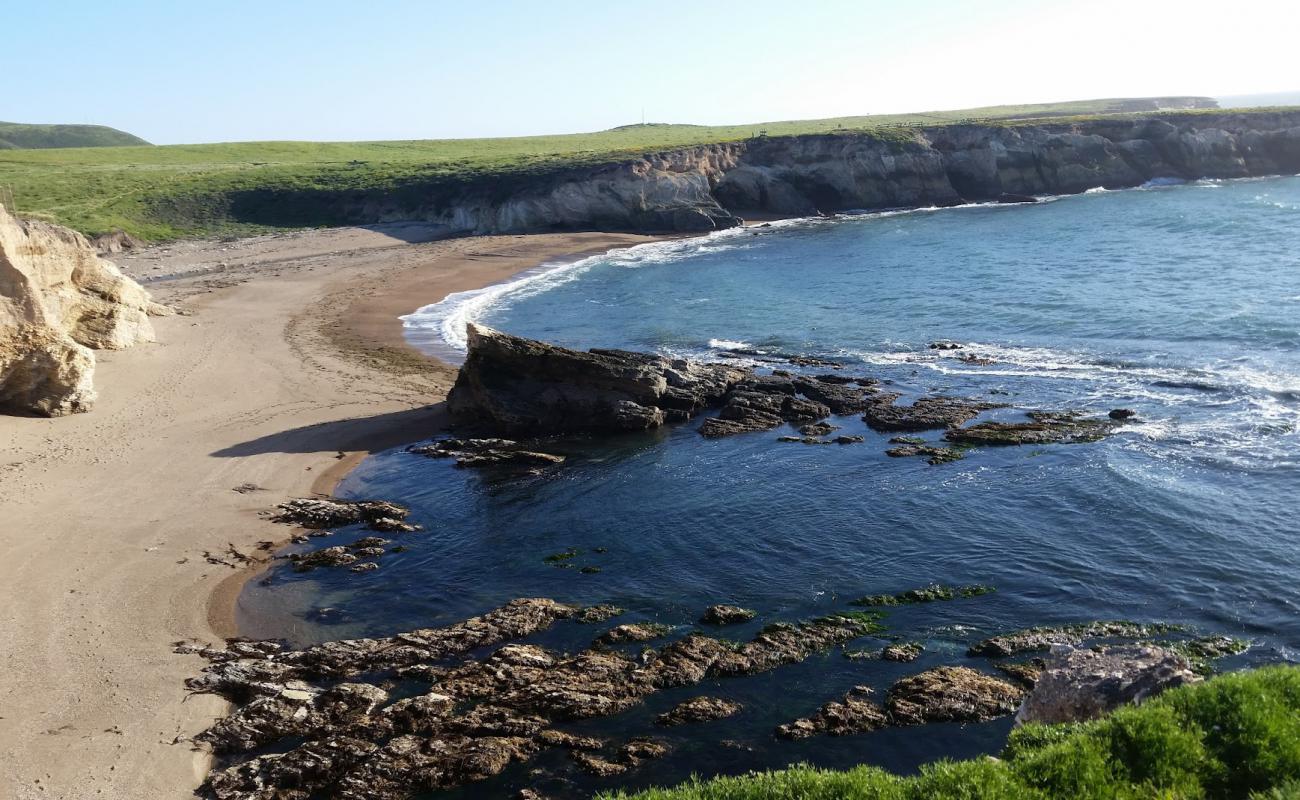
163 192
1235 736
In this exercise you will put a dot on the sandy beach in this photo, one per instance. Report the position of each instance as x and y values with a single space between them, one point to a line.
123 532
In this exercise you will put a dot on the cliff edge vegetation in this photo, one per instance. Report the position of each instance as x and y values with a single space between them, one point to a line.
188 190
1235 736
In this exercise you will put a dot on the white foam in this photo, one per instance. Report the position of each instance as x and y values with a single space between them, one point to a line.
729 344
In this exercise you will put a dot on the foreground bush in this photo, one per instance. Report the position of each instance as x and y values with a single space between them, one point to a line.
1235 736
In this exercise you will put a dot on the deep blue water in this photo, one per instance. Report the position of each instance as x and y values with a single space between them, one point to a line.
1180 302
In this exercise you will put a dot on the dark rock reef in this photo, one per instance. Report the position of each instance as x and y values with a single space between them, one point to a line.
331 728
513 386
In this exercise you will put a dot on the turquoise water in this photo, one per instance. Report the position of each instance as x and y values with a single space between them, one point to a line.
1179 302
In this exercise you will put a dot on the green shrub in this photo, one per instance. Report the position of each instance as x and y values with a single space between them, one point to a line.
1231 737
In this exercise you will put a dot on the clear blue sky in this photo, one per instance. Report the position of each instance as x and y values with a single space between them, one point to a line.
203 70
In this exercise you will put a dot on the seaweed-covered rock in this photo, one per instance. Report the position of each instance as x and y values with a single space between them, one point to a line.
329 512
951 694
635 632
924 414
1084 684
698 709
1044 427
726 615
1023 673
1043 639
854 713
925 594
932 455
598 613
514 385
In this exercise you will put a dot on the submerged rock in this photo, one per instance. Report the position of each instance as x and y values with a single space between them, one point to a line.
854 713
328 512
818 429
1080 685
839 398
510 385
726 615
924 414
487 453
698 709
932 455
1045 427
951 694
925 594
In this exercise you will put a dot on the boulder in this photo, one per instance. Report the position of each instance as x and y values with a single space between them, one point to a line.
511 385
698 709
58 302
726 615
1083 684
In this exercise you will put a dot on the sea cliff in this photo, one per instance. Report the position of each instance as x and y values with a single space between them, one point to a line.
710 187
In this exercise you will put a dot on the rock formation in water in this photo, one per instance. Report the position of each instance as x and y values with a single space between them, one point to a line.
710 187
1083 684
517 386
58 303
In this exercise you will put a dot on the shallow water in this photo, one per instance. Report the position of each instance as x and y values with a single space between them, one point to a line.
1180 302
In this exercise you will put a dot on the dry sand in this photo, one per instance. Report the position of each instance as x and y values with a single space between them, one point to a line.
121 530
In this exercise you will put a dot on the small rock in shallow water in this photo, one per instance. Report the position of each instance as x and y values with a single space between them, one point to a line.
327 557
945 344
324 512
1045 427
698 709
1121 413
726 615
925 413
847 439
852 714
905 652
951 694
635 632
368 566
818 429
600 613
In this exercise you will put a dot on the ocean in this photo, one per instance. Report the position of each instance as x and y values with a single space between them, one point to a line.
1178 301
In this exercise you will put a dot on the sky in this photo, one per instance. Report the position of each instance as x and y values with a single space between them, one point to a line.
186 71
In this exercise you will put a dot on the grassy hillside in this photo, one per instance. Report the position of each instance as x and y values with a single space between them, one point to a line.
1236 736
17 135
183 190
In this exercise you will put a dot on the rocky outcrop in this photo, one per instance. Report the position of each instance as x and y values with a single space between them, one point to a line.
512 385
1084 684
59 302
320 722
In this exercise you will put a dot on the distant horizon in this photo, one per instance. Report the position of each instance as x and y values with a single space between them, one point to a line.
1227 102
400 70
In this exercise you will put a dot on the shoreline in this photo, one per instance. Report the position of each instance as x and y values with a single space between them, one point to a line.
282 372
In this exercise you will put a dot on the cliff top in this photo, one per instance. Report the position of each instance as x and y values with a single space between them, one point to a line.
164 192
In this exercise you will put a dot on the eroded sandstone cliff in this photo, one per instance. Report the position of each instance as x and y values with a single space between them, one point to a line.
58 303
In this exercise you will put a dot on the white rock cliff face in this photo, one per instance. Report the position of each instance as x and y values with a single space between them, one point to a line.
58 303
